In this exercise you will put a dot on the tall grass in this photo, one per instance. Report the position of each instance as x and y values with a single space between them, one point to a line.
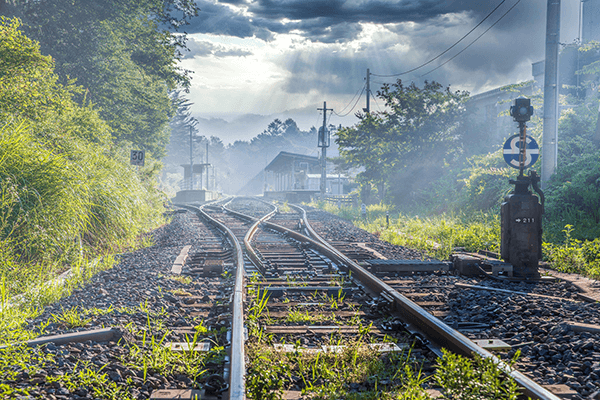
63 204
436 236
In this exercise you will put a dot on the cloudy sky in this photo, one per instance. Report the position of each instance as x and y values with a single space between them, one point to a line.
272 57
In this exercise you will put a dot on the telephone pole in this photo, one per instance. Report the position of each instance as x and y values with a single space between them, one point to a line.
368 109
551 115
191 160
323 144
207 164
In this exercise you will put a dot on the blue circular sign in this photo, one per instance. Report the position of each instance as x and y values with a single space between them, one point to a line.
512 148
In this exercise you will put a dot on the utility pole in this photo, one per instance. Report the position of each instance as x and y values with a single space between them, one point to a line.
368 109
191 160
550 133
207 172
323 144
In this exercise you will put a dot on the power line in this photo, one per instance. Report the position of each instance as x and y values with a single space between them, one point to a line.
375 100
354 106
350 102
448 49
476 39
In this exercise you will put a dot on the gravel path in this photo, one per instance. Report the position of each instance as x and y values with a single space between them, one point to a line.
138 296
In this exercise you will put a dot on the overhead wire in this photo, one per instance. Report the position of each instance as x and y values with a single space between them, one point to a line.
448 49
354 106
375 100
350 102
476 39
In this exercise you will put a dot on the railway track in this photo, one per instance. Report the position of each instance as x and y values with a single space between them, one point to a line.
226 322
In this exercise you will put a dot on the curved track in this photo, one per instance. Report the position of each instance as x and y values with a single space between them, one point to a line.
416 318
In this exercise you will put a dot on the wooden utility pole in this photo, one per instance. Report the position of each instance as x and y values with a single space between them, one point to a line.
368 110
323 144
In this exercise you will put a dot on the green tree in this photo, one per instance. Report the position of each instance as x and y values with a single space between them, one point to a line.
123 52
418 129
63 185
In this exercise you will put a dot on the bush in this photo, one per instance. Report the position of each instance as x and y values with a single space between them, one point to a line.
574 255
572 198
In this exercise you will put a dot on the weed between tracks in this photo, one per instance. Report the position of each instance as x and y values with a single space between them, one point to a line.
141 361
339 366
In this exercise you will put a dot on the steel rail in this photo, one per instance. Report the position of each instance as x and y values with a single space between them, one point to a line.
248 237
432 326
237 372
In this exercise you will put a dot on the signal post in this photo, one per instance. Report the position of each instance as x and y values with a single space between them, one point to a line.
521 212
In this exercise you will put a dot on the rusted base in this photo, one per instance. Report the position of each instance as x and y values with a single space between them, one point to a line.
474 264
212 267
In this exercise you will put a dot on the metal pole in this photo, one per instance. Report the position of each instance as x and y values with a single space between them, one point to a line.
191 161
550 135
324 154
523 147
324 144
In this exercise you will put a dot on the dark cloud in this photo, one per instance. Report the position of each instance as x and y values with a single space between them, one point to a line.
425 27
218 19
232 53
503 54
203 48
323 21
376 11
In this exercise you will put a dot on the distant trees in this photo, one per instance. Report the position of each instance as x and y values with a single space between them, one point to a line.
412 137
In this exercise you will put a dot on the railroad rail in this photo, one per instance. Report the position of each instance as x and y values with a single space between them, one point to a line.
248 253
431 327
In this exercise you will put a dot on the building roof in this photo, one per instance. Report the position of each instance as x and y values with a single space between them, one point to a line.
283 160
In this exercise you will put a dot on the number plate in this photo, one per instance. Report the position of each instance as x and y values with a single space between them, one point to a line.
138 157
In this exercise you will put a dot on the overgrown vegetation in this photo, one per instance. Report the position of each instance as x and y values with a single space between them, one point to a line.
68 200
357 372
145 357
67 194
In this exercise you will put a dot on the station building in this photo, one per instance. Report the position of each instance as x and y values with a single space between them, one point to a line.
295 178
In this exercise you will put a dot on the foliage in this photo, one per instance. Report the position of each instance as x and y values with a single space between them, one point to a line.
336 374
123 53
66 193
480 378
71 318
265 378
573 198
480 184
438 236
575 256
417 124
